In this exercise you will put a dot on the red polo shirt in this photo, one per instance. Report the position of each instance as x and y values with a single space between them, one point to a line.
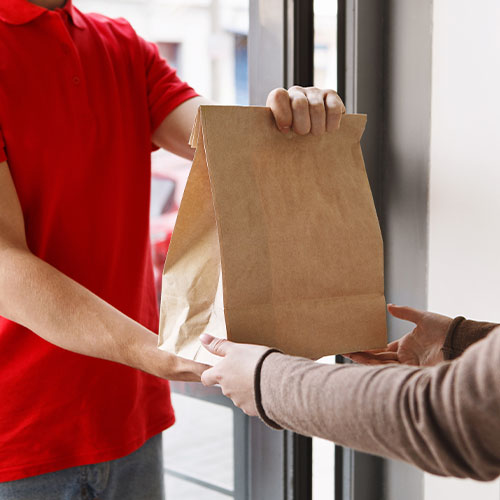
79 98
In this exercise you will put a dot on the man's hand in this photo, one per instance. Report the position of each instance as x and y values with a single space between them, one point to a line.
306 110
303 110
422 346
175 368
63 312
235 372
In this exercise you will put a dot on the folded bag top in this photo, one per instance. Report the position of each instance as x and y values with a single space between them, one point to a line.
289 221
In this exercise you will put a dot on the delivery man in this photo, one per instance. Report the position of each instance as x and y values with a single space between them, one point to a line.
84 391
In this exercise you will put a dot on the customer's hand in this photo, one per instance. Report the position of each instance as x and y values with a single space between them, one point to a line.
422 346
234 373
306 110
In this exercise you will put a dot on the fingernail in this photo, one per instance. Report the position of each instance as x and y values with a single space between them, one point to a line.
205 338
285 130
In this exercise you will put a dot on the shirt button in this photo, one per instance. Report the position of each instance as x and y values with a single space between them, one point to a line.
76 80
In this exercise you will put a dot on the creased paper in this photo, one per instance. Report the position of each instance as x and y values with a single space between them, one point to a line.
287 225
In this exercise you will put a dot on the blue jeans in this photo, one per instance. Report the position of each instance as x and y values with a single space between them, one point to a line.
138 476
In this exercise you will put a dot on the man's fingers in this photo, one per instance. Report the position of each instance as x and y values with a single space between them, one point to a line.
372 351
317 112
367 360
306 110
406 313
370 358
392 347
187 370
334 110
386 356
301 123
197 368
279 102
210 377
217 346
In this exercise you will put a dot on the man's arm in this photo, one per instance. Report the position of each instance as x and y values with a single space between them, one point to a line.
39 297
174 132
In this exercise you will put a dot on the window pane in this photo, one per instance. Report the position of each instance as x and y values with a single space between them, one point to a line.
325 43
200 444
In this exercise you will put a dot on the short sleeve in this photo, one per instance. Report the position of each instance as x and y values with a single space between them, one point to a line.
165 89
3 153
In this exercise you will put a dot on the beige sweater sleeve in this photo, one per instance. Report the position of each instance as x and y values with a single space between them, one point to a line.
443 419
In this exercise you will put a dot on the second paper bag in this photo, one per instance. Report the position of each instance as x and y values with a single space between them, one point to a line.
290 222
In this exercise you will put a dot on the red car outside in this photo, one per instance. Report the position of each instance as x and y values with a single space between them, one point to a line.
168 179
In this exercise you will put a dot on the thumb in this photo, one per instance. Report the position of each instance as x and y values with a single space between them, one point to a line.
217 346
406 313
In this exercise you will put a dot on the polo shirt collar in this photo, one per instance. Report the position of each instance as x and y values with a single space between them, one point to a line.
20 12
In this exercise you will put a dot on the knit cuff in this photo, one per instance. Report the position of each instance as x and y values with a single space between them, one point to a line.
258 392
449 351
462 333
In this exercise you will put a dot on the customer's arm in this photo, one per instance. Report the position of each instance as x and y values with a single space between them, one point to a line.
39 297
443 419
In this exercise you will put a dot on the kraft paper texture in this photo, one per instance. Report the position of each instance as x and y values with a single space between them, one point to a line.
277 241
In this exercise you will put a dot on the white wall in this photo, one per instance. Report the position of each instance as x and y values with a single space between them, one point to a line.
464 205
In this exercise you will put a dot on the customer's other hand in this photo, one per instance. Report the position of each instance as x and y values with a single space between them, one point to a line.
235 372
306 110
422 346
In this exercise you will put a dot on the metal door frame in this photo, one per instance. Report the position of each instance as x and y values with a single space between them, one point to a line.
385 69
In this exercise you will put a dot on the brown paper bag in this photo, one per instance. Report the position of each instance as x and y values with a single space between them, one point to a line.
290 222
